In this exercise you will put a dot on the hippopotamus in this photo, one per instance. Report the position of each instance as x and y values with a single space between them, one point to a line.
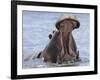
62 46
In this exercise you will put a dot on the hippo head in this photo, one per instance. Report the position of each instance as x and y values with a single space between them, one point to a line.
68 17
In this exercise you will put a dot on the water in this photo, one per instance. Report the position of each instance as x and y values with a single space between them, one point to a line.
36 28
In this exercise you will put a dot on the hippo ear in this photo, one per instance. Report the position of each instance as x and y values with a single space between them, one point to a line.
50 36
53 31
